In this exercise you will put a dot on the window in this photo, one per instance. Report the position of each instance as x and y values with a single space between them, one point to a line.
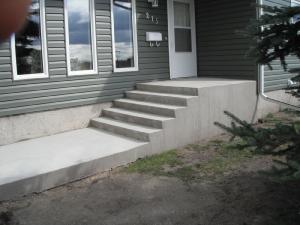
183 27
80 37
29 51
124 35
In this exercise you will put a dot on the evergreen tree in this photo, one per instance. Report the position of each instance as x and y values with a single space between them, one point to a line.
275 36
280 140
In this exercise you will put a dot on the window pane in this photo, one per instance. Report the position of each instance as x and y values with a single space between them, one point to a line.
296 18
29 43
124 48
182 14
183 39
80 38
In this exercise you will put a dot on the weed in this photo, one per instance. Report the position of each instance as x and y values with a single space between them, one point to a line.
196 147
228 155
154 164
216 142
186 173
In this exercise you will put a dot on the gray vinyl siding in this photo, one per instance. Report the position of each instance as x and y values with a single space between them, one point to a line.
276 78
61 91
221 51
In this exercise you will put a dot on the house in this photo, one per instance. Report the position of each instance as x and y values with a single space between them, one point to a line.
75 57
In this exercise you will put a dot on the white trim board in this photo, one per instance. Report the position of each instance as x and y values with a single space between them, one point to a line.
135 41
93 40
45 74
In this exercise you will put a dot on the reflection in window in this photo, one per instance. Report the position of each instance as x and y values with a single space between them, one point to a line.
295 3
80 35
183 39
28 44
124 34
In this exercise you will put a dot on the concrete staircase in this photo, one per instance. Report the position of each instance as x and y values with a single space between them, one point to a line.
144 112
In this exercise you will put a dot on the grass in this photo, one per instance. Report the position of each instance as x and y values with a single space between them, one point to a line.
286 116
186 173
182 165
227 157
291 112
154 164
270 118
157 164
206 159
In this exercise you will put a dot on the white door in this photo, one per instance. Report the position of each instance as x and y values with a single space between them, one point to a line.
182 38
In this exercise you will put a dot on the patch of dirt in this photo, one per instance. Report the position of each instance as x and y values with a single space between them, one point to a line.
137 199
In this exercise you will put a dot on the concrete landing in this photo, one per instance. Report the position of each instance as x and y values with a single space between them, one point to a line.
46 162
201 82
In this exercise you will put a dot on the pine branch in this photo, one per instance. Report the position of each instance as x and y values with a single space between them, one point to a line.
280 140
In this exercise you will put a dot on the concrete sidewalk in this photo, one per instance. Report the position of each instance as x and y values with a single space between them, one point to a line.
46 162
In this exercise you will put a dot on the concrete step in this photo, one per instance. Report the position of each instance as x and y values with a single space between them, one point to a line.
148 107
131 130
150 87
44 163
162 98
145 119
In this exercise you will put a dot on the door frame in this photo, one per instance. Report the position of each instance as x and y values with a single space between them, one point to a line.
171 35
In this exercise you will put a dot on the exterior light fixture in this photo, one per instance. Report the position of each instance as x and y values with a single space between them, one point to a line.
154 3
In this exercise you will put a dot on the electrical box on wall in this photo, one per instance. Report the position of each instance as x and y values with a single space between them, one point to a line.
153 36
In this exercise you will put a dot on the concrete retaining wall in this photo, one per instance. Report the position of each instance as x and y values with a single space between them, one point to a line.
265 107
27 126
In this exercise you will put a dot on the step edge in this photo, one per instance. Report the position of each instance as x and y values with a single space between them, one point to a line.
158 105
142 114
151 129
162 94
192 90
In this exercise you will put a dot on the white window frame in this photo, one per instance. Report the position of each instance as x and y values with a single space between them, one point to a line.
45 74
94 71
135 41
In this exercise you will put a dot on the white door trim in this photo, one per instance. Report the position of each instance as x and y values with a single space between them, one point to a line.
171 34
170 28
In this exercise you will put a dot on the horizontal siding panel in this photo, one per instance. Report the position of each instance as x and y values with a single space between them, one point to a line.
59 98
63 82
62 91
221 51
5 75
4 53
57 105
5 64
